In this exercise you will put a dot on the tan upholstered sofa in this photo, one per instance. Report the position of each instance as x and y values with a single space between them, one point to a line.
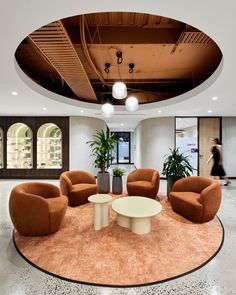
143 182
196 198
37 208
77 185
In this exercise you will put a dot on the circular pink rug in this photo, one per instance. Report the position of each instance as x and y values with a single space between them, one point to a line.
115 256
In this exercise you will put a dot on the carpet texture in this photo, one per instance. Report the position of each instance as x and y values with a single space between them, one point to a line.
116 256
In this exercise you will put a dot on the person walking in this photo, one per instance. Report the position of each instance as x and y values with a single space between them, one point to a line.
217 156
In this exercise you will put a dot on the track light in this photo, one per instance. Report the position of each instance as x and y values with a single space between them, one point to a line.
119 57
131 68
107 67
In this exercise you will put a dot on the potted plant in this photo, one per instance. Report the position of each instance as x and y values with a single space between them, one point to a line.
101 148
175 166
117 186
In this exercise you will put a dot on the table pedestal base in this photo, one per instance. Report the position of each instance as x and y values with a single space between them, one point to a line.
101 215
138 226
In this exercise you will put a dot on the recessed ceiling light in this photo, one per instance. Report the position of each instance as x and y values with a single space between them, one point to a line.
14 93
159 111
209 111
44 108
214 98
81 111
122 124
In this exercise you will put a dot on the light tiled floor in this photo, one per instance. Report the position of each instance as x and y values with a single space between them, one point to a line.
218 277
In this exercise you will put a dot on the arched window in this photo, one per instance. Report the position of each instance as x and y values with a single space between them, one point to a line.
49 147
1 148
19 147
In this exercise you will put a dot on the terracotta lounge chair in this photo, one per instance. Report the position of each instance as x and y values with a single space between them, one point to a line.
196 198
37 208
143 182
77 185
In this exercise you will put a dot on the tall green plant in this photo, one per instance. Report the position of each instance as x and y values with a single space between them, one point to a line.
101 148
176 165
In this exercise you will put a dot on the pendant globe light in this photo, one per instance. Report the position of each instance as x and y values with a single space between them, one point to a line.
107 110
131 104
119 89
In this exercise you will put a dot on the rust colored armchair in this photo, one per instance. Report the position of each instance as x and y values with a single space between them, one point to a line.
143 182
77 185
37 208
196 198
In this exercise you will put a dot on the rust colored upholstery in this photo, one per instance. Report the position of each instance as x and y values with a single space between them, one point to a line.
37 208
143 182
77 186
196 198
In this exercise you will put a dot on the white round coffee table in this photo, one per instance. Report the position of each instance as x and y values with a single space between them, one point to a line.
135 213
101 210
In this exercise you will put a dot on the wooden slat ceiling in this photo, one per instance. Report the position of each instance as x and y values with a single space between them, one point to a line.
126 19
170 57
55 45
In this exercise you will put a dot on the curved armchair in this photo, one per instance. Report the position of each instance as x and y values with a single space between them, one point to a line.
196 198
37 208
77 185
143 182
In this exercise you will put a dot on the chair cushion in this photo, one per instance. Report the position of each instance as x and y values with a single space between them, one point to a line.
187 204
141 183
80 193
193 199
82 187
141 188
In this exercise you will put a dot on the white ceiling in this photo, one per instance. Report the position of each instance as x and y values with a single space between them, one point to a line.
19 18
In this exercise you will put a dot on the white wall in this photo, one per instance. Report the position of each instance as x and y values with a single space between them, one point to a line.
229 145
137 146
82 130
132 147
153 139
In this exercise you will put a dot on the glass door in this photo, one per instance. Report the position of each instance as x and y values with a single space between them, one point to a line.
186 139
121 151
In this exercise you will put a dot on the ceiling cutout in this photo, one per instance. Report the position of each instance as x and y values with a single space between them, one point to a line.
71 56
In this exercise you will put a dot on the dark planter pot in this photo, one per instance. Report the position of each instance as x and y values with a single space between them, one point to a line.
117 187
103 182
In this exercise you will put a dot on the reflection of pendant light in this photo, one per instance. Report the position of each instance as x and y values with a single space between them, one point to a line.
131 104
119 90
107 110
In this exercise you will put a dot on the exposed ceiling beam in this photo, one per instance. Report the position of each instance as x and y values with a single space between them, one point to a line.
51 40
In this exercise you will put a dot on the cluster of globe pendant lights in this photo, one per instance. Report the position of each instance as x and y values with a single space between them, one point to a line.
119 91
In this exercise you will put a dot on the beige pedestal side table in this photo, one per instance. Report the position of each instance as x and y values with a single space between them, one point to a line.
136 212
101 210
